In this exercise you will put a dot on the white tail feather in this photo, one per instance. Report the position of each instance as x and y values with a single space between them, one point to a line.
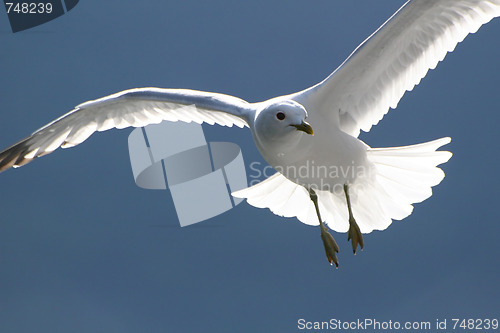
403 176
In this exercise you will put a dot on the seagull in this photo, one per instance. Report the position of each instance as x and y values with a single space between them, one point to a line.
325 175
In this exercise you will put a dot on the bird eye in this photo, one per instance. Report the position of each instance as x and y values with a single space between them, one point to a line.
280 115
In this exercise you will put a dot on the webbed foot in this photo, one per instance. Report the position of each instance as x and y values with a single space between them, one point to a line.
331 247
354 235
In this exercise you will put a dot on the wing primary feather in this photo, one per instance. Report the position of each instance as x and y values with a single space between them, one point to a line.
130 108
412 41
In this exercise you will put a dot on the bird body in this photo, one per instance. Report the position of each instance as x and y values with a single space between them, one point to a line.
329 178
295 154
380 179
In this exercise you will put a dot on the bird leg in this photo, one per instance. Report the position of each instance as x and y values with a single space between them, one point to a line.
331 247
354 234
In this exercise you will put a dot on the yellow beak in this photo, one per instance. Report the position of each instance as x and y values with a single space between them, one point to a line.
304 127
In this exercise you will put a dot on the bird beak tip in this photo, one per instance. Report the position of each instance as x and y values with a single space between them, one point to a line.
305 127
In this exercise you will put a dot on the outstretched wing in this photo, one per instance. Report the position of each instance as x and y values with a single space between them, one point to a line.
134 107
393 60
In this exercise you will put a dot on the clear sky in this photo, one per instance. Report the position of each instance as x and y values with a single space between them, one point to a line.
83 249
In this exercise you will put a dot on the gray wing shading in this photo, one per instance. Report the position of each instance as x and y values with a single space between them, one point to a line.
129 108
393 60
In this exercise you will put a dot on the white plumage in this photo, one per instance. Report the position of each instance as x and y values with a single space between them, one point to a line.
353 98
403 176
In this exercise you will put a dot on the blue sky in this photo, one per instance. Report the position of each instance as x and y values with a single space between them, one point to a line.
83 249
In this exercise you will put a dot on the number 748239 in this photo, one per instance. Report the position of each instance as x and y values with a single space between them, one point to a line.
29 7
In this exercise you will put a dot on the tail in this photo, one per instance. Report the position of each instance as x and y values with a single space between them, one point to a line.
403 176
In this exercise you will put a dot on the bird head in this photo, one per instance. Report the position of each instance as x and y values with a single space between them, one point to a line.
281 119
279 128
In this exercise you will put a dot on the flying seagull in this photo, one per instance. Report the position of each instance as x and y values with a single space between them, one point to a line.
326 175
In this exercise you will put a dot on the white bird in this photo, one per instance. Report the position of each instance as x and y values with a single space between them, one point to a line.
330 178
